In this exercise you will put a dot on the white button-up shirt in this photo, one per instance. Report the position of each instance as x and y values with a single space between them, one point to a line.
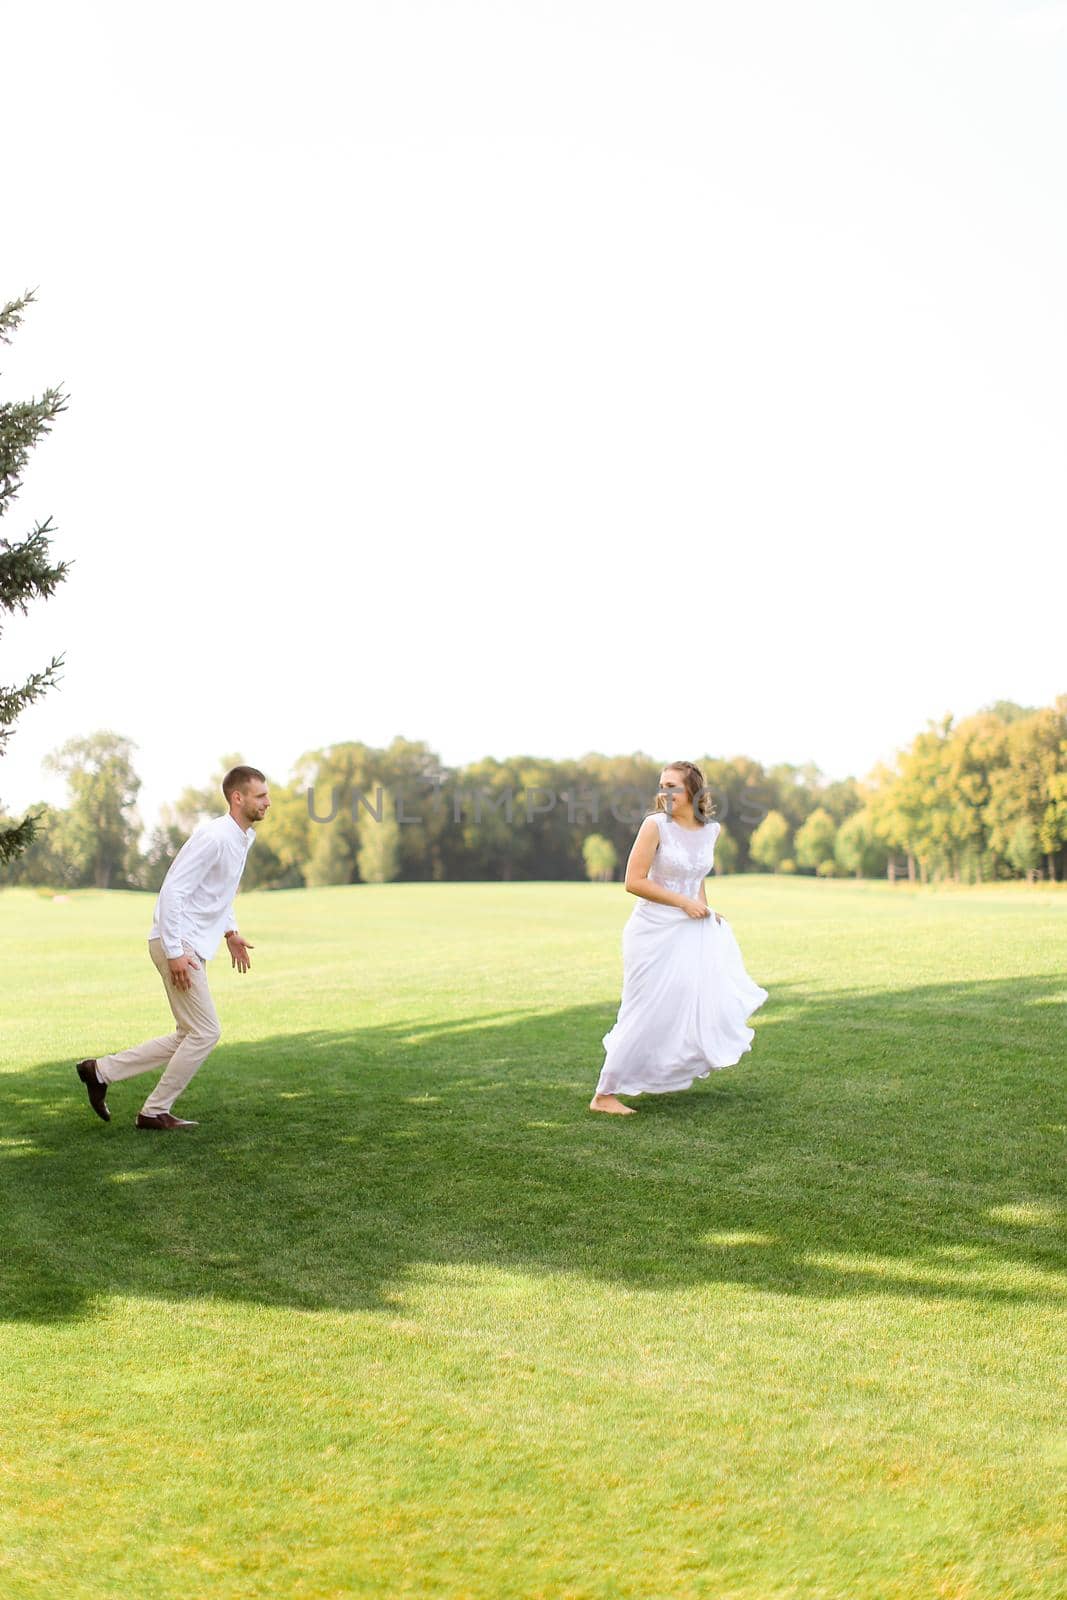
195 903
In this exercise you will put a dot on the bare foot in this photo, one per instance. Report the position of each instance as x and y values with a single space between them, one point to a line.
608 1102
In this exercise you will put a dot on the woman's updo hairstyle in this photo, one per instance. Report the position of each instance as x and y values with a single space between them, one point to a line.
695 788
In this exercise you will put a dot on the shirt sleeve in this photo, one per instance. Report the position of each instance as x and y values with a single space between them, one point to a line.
231 926
200 851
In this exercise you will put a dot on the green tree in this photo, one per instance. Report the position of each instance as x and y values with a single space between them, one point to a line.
552 845
27 571
1031 785
888 822
814 841
1008 710
960 793
1024 849
329 779
976 747
164 842
1048 745
921 812
727 852
412 775
46 859
857 847
101 829
378 855
770 842
741 796
333 853
490 807
794 790
600 857
610 794
288 830
841 799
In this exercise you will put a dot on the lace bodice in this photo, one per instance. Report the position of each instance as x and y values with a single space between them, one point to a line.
684 857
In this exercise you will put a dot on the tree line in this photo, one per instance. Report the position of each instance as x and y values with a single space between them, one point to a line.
972 801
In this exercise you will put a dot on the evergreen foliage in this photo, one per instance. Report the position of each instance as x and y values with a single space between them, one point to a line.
27 570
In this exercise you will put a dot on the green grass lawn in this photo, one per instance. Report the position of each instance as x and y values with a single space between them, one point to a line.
403 1318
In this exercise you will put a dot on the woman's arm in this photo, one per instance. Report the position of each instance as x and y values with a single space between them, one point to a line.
638 881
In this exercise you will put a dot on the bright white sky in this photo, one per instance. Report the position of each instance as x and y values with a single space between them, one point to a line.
538 377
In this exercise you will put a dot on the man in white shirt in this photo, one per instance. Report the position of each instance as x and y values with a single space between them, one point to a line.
193 913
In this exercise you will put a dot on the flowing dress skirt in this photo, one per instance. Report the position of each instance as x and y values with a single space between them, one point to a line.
685 1000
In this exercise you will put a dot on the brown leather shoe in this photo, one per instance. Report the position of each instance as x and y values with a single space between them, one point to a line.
166 1122
86 1071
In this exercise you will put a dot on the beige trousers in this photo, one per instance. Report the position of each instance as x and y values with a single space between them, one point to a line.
182 1051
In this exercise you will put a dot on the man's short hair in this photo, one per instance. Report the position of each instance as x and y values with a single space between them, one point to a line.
240 778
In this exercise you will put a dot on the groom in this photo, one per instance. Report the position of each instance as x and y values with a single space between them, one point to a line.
193 913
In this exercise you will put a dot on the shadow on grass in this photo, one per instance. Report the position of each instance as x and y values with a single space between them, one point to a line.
896 1143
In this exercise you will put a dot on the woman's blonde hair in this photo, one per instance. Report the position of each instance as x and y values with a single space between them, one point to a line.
695 788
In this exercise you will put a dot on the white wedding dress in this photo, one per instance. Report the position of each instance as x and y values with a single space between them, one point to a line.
685 992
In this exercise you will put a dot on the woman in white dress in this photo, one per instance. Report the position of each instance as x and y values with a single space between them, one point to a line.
685 992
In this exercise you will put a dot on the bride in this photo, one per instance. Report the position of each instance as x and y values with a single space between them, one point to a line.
685 992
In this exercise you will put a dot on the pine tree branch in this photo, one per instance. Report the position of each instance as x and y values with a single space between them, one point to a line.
16 837
22 424
11 315
15 699
25 571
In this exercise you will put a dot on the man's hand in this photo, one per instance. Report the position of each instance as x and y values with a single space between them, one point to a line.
239 949
179 970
